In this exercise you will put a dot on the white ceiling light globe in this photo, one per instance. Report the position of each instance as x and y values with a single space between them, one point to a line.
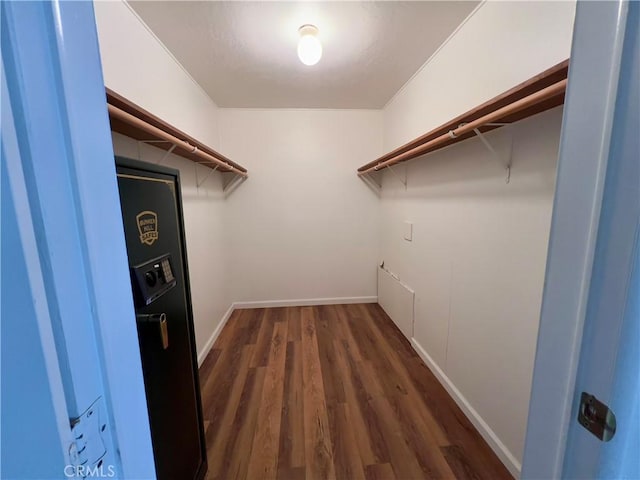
309 46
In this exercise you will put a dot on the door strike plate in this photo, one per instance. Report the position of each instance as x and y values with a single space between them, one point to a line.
596 417
89 447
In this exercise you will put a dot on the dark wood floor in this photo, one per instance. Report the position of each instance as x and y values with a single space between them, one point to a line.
331 392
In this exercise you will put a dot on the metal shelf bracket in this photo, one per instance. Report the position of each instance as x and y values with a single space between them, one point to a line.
230 184
151 142
376 182
504 162
211 170
403 182
230 180
372 182
167 153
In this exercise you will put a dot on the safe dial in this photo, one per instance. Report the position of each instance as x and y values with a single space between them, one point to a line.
151 278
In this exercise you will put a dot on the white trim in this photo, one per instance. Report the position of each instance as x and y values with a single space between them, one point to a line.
305 302
276 303
582 165
433 55
18 191
214 336
503 453
301 109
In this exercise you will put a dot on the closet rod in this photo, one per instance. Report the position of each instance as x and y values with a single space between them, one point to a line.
533 99
119 114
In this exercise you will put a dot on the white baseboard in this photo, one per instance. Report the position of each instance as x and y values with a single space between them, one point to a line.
207 346
306 302
503 453
276 303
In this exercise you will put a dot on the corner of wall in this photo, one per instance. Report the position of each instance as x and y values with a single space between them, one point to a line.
204 351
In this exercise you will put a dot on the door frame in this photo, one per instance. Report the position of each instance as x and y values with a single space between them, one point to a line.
594 70
18 199
54 77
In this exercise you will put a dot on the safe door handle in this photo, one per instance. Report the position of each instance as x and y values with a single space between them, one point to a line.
159 319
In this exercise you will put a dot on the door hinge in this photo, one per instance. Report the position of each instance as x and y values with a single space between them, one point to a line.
596 417
88 448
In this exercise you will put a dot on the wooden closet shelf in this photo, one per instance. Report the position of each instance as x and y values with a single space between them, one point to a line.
133 121
536 95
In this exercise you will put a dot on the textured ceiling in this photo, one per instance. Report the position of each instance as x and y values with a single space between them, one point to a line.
243 54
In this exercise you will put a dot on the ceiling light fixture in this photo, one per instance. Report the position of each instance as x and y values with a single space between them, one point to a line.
309 46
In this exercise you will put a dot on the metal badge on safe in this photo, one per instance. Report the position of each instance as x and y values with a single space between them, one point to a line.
147 226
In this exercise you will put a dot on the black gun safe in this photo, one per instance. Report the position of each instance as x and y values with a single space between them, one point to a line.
152 215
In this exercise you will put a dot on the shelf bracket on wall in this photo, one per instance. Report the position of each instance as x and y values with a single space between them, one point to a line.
373 181
211 170
151 142
403 182
504 162
167 153
230 181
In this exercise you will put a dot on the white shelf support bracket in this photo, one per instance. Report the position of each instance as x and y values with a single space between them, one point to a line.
232 183
372 182
201 182
403 182
151 142
504 162
167 153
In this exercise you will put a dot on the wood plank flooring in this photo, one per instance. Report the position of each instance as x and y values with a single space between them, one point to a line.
331 392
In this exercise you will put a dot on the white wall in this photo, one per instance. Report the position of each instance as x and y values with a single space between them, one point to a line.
478 253
303 226
136 65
